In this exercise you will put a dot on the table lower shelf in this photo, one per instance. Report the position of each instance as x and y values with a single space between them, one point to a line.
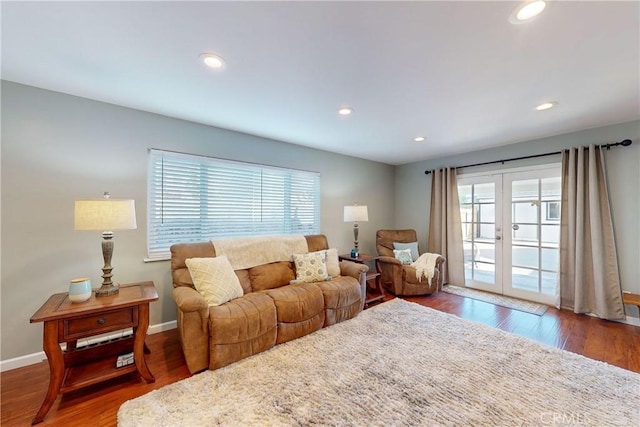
373 277
95 363
77 377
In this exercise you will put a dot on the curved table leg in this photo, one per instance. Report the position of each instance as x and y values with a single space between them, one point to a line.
56 368
139 345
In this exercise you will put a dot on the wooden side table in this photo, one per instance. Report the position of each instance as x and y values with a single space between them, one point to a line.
67 322
372 275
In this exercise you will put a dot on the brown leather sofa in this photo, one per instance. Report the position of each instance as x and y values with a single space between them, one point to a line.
270 312
398 278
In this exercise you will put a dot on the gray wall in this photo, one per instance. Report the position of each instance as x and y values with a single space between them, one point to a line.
413 187
58 148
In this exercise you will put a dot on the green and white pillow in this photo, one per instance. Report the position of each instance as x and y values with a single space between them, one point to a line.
413 246
403 255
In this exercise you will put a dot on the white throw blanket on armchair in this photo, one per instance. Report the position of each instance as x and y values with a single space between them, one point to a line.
425 266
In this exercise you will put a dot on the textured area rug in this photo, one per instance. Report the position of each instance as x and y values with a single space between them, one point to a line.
398 364
501 300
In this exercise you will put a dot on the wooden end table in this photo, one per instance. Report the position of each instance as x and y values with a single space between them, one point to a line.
372 275
77 367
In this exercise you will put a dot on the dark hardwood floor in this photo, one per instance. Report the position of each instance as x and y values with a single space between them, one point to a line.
24 389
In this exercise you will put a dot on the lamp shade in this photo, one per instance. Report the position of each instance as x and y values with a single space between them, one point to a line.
105 215
356 213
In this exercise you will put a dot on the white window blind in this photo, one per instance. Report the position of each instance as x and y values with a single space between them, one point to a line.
195 198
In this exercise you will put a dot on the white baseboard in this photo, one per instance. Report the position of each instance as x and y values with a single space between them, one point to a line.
30 359
161 327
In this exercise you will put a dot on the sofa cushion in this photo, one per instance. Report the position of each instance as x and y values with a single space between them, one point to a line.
300 310
341 299
269 276
241 328
214 279
245 280
310 267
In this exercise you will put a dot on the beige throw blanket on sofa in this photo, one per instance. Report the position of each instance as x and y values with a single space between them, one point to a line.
247 252
425 266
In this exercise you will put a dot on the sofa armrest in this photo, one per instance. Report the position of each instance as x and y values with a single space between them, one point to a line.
188 299
193 327
359 272
391 268
353 269
391 273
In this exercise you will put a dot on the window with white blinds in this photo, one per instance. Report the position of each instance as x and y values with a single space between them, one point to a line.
194 198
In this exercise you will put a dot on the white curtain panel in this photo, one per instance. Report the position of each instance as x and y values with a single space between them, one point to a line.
445 228
589 278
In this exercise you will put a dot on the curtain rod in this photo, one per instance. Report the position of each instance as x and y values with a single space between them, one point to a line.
624 143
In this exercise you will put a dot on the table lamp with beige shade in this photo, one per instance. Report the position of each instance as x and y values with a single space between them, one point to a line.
106 215
356 213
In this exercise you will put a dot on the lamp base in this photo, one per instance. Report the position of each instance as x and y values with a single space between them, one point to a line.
107 290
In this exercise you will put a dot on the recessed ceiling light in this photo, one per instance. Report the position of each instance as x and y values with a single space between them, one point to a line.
527 10
345 111
546 106
212 60
418 138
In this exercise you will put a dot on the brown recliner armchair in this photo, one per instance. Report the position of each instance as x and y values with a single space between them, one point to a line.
398 278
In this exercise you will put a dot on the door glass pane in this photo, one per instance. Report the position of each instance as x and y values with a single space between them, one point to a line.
550 259
551 188
487 212
525 189
550 212
470 252
484 192
525 234
550 234
486 252
525 212
549 282
464 194
523 256
524 278
487 231
484 272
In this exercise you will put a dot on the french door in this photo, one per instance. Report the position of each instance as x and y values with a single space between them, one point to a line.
511 231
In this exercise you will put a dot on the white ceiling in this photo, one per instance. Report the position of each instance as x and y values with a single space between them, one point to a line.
458 73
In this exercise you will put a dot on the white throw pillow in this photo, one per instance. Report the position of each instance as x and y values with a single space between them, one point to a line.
403 255
332 261
215 279
311 267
